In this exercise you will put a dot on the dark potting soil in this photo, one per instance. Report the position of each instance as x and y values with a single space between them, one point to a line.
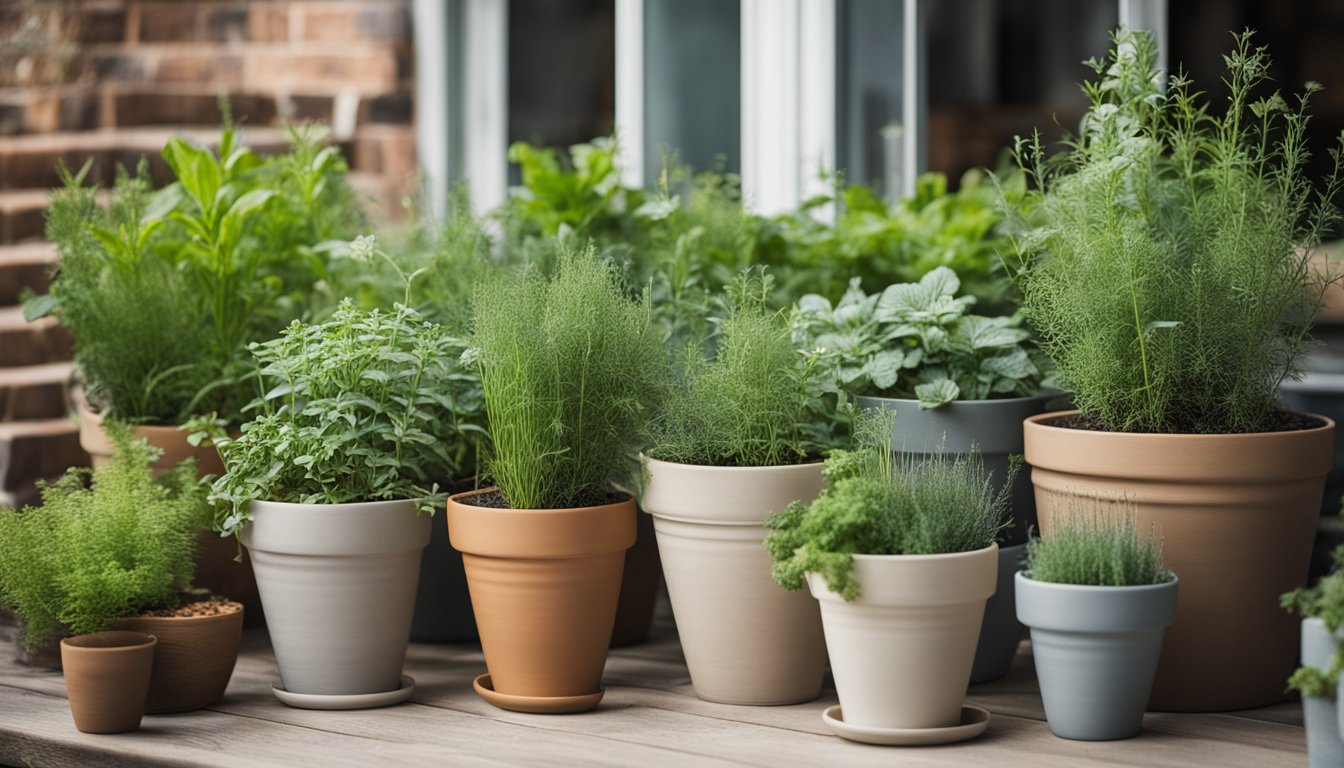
1279 421
495 500
209 606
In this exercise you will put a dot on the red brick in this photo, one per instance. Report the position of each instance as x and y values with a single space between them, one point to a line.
385 150
118 67
138 108
304 107
397 108
343 22
169 22
225 24
267 23
210 65
102 21
365 71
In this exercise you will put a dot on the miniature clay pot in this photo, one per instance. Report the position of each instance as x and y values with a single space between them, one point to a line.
107 679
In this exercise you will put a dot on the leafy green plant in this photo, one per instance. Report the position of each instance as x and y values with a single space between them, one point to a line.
1087 548
104 544
1165 251
579 193
570 368
1323 600
755 403
879 504
361 407
916 341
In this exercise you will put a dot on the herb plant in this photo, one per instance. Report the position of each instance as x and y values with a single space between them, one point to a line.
1324 600
879 504
916 341
364 406
570 368
755 403
1166 250
1087 549
94 553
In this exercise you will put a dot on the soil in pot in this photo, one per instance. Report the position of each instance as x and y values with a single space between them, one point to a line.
1236 515
197 648
1096 651
107 679
544 585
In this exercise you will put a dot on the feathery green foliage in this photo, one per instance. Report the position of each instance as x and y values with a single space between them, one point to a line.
875 504
570 369
1163 264
91 554
1087 548
756 403
364 406
916 341
1325 601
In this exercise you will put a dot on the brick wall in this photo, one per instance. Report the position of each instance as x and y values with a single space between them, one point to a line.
86 65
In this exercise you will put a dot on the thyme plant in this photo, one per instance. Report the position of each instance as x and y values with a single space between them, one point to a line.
364 406
570 368
1166 248
756 402
104 544
879 504
1088 549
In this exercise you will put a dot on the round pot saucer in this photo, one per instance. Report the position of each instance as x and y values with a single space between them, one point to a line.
537 705
974 720
346 701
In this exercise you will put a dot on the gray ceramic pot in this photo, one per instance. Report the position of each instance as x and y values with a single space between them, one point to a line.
994 427
1325 748
1096 652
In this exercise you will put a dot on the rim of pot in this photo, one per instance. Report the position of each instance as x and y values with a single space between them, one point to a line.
625 496
1052 395
969 553
305 505
1168 584
110 641
723 468
1038 422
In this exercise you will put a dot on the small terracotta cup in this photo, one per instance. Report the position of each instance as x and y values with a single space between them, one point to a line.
107 679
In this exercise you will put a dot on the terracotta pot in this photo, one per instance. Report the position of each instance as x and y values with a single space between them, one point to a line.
107 679
746 639
218 568
194 658
544 584
901 653
641 579
1096 650
1236 515
338 582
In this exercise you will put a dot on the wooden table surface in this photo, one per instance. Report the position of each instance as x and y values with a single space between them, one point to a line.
650 717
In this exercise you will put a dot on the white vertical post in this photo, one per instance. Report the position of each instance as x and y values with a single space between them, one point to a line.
914 96
788 100
630 91
485 123
431 102
1151 15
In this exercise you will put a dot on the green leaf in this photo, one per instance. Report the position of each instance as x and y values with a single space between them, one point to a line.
884 367
1015 365
936 393
988 332
38 307
941 281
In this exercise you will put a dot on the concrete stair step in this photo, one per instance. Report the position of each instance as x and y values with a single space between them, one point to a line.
25 266
34 391
23 343
40 448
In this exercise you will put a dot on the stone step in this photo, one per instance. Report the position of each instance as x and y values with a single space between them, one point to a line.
30 161
29 450
22 214
23 343
34 391
25 266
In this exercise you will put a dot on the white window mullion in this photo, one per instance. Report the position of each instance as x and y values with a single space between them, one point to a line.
630 90
431 102
1148 14
914 96
817 112
485 100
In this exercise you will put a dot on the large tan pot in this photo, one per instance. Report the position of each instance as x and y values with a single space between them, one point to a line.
902 652
1236 515
544 585
218 568
746 639
193 660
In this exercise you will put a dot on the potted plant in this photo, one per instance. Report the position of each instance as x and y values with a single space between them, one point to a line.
113 549
738 438
569 368
1322 610
1097 600
107 677
900 553
1164 270
325 488
957 382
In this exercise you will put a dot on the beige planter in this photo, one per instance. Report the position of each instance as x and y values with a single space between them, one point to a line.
1236 515
746 639
901 654
338 582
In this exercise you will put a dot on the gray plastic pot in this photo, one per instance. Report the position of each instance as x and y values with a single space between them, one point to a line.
994 427
1096 652
338 585
1325 748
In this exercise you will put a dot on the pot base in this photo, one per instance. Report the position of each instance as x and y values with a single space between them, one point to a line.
346 701
536 705
974 721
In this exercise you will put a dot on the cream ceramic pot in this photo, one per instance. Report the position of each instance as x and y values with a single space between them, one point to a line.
338 585
901 653
746 639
